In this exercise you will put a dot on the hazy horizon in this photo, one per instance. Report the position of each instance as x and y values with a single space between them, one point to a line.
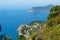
25 4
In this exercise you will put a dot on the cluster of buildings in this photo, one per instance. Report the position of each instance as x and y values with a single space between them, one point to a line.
27 30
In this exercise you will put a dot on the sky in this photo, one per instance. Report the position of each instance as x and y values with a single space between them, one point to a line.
16 4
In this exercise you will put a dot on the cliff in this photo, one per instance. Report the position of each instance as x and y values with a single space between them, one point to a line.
27 30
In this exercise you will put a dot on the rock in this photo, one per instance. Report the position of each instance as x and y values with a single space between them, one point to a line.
27 30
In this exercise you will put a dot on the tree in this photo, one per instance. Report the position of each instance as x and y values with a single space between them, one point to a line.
55 11
54 16
21 38
7 37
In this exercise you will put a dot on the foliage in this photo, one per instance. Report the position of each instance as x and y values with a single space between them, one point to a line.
7 37
54 21
52 33
39 22
33 36
54 12
54 16
21 38
49 33
50 30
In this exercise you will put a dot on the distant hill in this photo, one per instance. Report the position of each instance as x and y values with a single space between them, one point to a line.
40 8
38 22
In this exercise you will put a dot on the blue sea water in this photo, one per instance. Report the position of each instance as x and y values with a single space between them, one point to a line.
11 20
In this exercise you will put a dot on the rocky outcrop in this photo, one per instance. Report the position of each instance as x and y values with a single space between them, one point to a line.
27 30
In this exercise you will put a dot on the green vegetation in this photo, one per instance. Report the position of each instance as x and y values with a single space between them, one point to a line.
34 35
5 37
21 38
29 30
40 30
39 22
55 11
52 29
54 21
40 9
54 16
52 33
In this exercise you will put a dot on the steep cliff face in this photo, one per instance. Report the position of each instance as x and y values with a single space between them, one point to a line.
21 29
27 30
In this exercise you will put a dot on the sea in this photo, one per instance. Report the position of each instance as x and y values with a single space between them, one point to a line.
10 20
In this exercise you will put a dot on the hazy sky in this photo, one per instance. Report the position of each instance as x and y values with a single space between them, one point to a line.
26 3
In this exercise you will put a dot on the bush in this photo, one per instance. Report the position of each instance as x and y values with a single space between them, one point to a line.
21 38
55 11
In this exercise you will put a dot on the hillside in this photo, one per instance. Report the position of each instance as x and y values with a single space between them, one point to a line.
40 8
28 30
51 29
52 33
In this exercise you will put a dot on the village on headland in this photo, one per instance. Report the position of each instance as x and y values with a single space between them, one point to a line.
40 30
